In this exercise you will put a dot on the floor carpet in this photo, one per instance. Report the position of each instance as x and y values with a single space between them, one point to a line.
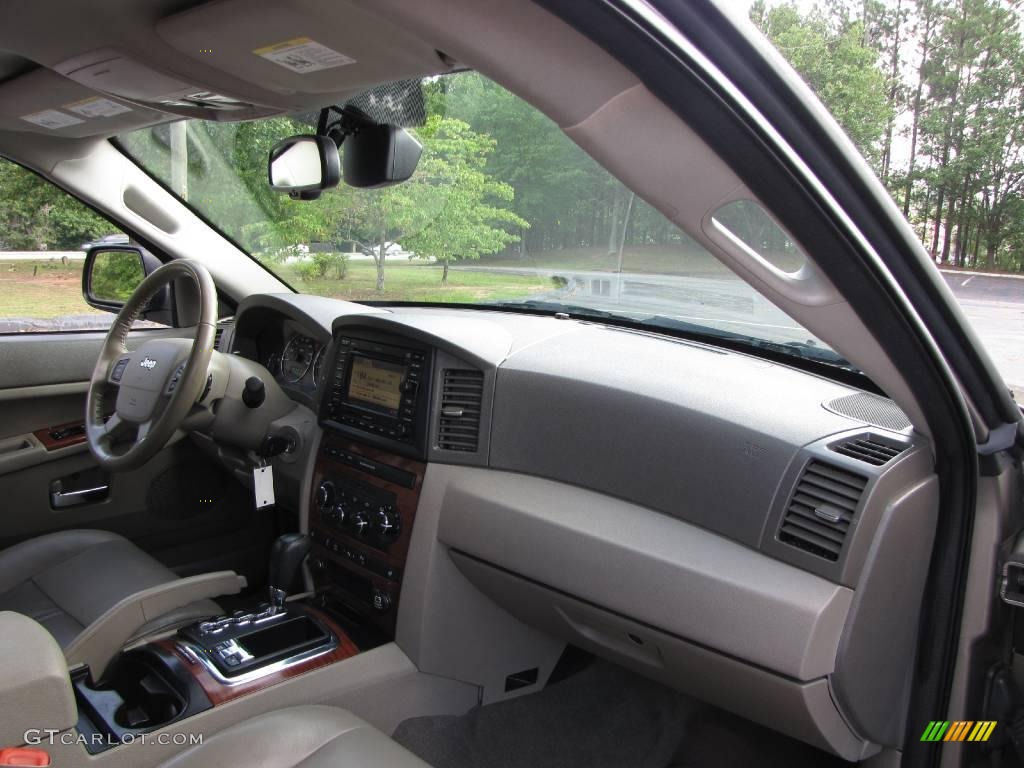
603 717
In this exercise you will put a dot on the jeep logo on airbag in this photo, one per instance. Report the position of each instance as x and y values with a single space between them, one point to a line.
148 363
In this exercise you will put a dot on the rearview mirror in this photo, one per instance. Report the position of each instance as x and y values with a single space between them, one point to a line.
302 166
380 155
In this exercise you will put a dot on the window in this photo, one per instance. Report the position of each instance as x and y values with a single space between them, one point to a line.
752 229
930 93
504 209
44 233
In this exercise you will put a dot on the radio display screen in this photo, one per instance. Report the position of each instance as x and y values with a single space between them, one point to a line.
376 383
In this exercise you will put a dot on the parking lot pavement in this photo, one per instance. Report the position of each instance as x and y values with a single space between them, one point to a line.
994 304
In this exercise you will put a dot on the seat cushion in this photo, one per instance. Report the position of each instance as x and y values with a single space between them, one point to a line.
309 736
67 580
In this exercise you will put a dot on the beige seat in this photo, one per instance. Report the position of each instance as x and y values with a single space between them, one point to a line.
66 580
309 736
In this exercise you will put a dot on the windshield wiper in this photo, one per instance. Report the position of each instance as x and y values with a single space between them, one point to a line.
572 310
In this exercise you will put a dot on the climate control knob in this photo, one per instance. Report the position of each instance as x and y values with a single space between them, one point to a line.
385 524
359 523
339 515
325 494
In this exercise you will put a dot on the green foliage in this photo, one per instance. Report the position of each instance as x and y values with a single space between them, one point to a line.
116 275
844 72
470 204
945 80
36 215
322 265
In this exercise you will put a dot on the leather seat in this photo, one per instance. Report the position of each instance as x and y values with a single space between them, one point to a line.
299 737
67 580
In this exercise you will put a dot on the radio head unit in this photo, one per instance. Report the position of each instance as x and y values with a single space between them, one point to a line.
378 390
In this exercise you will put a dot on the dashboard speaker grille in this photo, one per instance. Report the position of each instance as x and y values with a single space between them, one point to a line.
869 449
821 510
462 394
871 409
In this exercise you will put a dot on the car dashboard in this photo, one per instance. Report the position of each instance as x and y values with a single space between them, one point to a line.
731 526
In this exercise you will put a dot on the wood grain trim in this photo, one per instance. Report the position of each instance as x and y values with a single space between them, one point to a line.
51 444
331 467
220 693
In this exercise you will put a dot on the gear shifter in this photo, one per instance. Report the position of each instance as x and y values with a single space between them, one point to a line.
286 557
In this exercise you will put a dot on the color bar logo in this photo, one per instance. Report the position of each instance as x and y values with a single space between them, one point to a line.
958 730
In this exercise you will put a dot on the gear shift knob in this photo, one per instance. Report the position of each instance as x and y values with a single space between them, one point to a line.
286 556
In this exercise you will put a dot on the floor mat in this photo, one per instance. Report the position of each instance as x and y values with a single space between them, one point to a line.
722 740
602 717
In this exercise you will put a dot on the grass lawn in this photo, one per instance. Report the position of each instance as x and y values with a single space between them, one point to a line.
42 289
46 289
418 282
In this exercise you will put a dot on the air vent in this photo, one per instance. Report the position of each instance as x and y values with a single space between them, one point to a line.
221 327
869 449
821 510
459 423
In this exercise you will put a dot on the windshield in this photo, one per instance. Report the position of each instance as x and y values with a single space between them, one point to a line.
503 210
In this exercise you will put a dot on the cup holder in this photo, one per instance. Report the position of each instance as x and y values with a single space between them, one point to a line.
140 697
146 689
149 711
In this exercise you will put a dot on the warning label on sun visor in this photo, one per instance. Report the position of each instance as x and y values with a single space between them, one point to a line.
303 54
52 119
97 107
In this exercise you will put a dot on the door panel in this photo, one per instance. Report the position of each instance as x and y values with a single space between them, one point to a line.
181 508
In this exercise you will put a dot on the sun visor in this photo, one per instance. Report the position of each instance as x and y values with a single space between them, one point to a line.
114 72
41 101
300 46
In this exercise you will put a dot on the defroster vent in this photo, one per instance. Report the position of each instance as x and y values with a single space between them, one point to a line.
821 510
459 422
869 449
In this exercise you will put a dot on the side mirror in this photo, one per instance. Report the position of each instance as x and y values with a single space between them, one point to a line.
112 273
380 155
302 166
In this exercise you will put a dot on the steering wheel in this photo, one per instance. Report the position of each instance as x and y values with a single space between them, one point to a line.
157 384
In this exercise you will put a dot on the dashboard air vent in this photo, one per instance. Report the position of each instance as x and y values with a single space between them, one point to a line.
821 510
869 449
459 422
221 327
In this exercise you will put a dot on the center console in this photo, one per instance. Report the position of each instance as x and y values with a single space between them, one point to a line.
368 473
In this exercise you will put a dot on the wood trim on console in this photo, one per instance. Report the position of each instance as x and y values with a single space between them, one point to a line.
220 693
331 466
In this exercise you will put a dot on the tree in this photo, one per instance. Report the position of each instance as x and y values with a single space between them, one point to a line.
36 215
831 55
471 215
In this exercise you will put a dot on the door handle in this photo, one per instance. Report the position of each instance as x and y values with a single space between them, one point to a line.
61 499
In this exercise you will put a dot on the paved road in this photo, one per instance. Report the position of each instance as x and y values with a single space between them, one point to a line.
993 303
995 306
